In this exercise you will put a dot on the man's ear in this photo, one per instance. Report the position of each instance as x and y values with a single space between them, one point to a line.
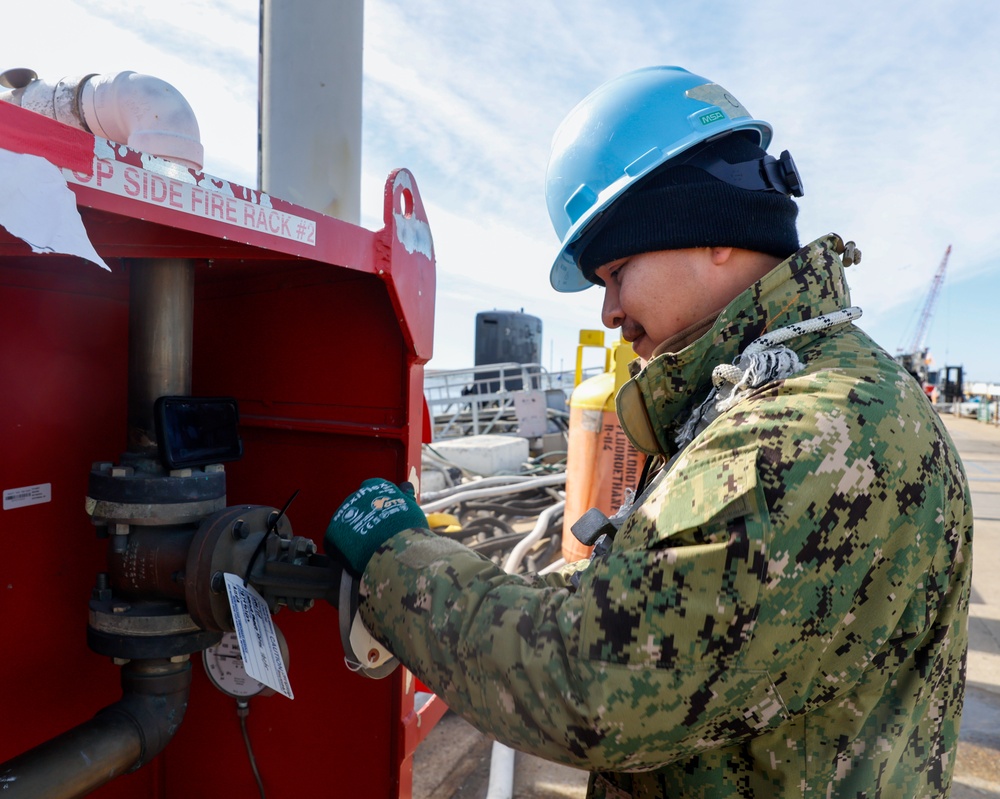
721 255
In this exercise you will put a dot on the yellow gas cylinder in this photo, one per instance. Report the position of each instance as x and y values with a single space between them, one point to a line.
600 460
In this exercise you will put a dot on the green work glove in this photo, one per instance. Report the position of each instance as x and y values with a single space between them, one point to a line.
368 518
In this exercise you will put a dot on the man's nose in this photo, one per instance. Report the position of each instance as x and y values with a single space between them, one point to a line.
612 315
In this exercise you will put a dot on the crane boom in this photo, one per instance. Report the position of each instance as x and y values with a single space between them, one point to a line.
925 313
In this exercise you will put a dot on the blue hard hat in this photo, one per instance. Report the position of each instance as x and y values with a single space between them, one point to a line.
622 131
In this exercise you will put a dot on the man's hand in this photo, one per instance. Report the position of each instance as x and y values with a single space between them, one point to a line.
370 516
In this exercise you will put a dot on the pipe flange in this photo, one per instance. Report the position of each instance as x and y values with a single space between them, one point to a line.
107 513
17 78
126 495
225 543
163 646
144 618
135 484
118 628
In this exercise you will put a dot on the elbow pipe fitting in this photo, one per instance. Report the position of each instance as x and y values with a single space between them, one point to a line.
143 112
154 700
119 739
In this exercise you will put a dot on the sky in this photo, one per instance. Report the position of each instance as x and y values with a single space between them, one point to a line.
890 109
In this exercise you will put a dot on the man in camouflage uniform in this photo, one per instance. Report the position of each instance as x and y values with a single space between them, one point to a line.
783 609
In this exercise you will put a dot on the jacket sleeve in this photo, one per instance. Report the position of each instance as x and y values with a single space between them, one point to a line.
794 553
637 667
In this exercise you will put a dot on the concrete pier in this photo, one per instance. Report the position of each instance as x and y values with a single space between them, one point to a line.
977 769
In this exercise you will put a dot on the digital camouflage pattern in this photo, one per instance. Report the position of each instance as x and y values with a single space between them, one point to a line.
783 614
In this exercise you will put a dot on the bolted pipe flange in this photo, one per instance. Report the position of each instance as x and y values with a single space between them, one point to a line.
225 543
120 629
145 494
137 610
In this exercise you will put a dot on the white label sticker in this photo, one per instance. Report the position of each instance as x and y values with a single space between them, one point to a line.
204 200
28 495
257 638
591 421
37 206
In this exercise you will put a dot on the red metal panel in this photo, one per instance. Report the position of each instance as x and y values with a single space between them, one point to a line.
322 339
34 134
63 337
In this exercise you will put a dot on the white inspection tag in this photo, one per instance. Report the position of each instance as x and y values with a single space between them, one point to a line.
369 652
28 495
257 638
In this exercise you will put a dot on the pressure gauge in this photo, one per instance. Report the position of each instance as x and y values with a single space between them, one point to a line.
224 667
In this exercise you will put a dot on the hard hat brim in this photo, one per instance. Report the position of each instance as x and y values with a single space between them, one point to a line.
565 275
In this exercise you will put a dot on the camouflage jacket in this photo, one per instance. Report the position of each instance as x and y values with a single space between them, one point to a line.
782 614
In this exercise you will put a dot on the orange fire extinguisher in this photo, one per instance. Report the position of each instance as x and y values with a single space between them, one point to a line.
601 462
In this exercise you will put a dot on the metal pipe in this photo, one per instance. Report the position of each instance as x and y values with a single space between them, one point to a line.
161 332
119 739
129 733
146 113
309 148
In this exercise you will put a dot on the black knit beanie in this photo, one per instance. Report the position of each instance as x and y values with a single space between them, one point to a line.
680 205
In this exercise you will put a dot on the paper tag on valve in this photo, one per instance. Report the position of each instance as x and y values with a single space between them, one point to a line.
258 640
370 653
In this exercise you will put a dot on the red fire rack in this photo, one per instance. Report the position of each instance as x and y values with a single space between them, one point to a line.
320 330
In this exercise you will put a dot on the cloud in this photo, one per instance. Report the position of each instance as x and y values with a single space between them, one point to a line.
888 108
857 92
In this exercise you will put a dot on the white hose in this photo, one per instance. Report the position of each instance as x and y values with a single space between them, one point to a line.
477 493
507 479
516 555
553 566
501 784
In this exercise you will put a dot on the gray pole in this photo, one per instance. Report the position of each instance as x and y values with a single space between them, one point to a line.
310 104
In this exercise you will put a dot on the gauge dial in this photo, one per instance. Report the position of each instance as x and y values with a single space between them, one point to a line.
225 668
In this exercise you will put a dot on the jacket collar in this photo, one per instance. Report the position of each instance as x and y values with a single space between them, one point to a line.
659 398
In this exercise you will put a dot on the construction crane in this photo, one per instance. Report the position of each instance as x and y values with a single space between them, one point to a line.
914 358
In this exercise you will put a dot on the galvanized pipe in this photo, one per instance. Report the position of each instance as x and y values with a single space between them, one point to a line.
146 113
161 332
119 739
309 149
